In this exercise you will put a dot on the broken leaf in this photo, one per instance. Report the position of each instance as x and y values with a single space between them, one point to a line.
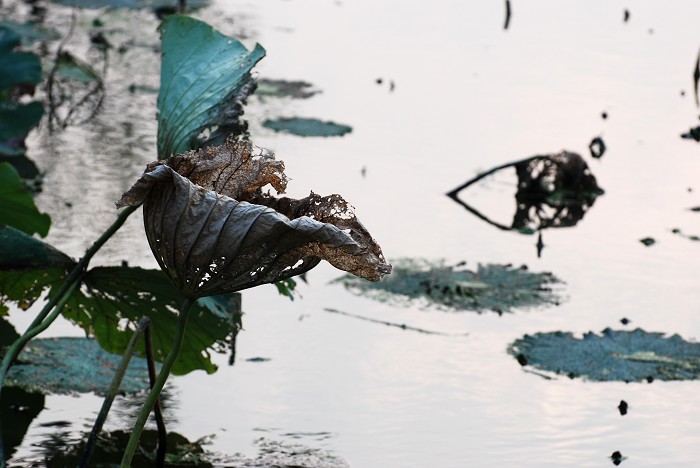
73 365
17 208
307 127
499 288
629 356
553 191
222 234
205 77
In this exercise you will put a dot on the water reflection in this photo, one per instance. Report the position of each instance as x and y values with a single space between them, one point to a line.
553 191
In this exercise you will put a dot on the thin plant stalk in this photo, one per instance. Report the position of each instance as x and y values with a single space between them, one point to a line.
73 278
157 412
18 344
160 382
113 389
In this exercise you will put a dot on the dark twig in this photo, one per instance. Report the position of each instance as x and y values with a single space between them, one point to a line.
696 78
505 26
157 411
112 392
402 326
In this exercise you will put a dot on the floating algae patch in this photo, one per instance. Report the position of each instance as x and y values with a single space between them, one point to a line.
611 356
307 127
499 288
73 365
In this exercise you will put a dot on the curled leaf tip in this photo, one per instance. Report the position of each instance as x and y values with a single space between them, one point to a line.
213 230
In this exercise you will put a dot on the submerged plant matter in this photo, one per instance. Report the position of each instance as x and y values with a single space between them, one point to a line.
611 356
499 288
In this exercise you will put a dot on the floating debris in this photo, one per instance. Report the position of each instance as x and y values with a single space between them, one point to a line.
307 127
691 237
508 13
627 356
626 16
597 147
554 190
648 241
498 288
622 407
692 134
617 458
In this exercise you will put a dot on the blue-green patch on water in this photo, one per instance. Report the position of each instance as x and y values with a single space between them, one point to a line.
73 365
499 288
307 127
627 356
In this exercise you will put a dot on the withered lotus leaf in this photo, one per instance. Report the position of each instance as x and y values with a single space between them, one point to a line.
213 230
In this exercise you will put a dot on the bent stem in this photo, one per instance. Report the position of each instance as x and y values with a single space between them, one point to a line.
158 386
63 293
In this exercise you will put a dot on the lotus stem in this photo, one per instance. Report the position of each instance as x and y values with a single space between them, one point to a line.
113 389
19 343
157 412
160 382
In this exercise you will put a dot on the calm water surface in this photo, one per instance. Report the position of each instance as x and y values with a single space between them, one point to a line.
468 96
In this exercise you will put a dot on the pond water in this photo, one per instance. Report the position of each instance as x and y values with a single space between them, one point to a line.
467 95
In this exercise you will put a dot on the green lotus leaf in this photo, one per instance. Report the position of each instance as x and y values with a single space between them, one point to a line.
17 208
28 266
204 78
613 355
307 127
18 68
499 288
73 365
113 299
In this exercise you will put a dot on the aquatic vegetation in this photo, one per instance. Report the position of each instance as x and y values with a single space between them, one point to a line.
628 356
204 81
285 89
497 288
307 127
17 206
69 365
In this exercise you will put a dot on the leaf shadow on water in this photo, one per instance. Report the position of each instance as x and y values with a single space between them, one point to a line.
497 288
553 191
